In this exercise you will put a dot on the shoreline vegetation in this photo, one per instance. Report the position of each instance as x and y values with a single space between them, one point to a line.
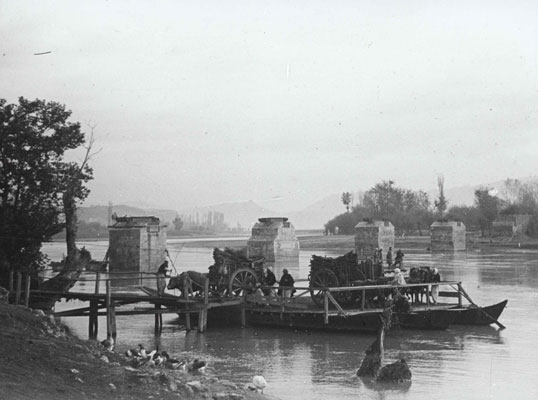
41 359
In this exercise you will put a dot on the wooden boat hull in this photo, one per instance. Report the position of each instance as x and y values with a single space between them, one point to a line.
367 322
474 316
427 320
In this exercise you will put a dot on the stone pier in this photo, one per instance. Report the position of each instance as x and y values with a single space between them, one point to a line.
371 234
447 236
274 239
136 244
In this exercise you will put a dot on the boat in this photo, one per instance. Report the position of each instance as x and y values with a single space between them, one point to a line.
304 312
343 309
367 322
477 315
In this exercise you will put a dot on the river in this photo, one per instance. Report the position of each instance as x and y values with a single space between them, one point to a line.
460 363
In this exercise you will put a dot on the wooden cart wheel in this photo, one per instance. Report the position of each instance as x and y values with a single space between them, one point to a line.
243 279
323 278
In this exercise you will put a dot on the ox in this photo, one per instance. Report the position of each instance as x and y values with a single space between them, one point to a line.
419 275
194 281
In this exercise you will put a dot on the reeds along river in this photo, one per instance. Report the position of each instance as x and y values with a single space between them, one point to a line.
460 363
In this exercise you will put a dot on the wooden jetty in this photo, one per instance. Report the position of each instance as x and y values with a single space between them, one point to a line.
113 301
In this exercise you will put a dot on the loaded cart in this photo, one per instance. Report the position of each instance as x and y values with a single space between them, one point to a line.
233 272
343 271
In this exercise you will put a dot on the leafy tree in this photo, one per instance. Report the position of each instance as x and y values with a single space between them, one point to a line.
346 199
39 188
488 205
406 209
384 199
469 215
347 221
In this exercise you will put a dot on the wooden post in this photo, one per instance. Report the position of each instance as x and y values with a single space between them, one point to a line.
202 314
158 319
206 291
27 291
187 313
363 300
428 296
97 281
326 306
202 320
11 279
460 300
93 326
113 320
108 310
19 283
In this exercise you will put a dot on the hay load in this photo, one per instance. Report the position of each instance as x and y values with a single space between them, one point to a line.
348 260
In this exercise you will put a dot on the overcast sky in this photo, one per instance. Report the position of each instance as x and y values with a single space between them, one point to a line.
200 102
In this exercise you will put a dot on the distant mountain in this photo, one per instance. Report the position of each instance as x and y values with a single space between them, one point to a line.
246 213
318 214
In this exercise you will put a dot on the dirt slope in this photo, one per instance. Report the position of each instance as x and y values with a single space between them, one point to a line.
39 359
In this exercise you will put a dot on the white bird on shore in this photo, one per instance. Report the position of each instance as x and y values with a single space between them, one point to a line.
108 344
143 353
259 383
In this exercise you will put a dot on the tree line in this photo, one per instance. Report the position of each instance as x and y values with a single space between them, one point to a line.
412 212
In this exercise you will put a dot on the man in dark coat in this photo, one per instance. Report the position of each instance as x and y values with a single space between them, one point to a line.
398 261
286 283
389 257
162 273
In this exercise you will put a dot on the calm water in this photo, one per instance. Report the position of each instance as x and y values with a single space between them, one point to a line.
460 363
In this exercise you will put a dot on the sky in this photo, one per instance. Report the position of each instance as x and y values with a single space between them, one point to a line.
282 102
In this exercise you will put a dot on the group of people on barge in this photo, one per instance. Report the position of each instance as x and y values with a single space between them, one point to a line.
285 285
398 260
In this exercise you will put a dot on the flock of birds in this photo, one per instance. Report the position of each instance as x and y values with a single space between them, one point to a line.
140 357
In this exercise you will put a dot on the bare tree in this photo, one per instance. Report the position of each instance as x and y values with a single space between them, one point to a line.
441 203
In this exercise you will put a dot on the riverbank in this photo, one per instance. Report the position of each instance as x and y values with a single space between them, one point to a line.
42 360
346 243
343 243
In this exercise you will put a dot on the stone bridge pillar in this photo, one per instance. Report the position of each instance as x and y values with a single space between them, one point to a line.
274 238
371 234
